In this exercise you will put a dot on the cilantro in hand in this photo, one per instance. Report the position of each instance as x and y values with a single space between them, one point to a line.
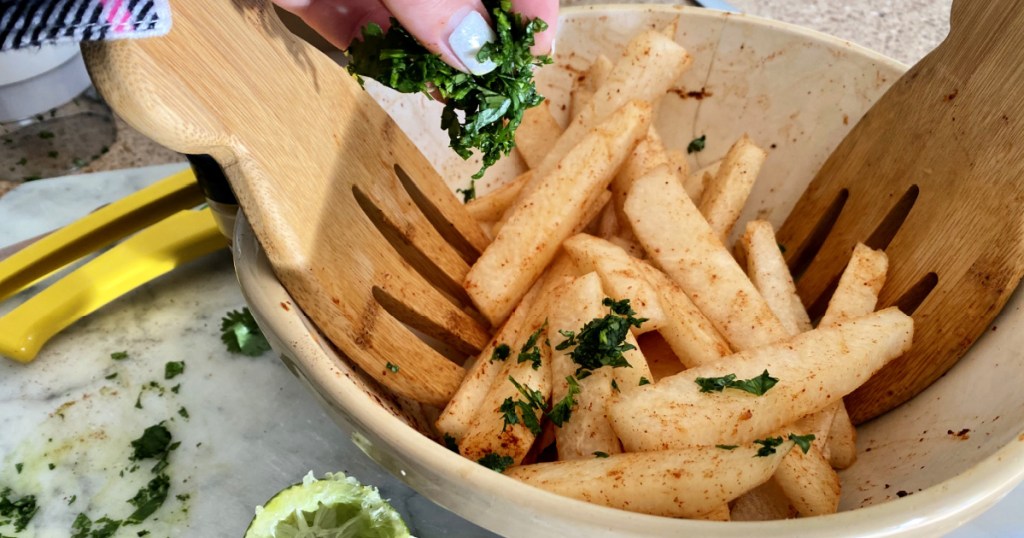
481 112
239 332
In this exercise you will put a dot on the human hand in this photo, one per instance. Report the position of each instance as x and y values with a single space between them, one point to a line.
455 29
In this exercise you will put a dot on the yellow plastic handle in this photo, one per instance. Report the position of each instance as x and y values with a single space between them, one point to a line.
100 228
180 238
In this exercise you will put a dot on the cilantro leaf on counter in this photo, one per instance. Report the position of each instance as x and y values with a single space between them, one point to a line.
149 499
119 355
104 527
481 112
17 511
241 334
173 369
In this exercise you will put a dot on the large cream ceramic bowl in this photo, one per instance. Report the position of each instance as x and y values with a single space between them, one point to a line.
796 92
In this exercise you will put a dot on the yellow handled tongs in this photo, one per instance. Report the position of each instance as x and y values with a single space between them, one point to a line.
162 230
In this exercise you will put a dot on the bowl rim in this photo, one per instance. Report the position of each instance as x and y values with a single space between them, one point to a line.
941 507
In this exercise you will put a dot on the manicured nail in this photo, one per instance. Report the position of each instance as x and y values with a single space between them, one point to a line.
467 39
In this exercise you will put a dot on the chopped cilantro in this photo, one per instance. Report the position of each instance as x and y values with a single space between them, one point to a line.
46 135
392 368
138 401
18 511
501 352
727 447
173 369
527 409
602 341
239 332
615 386
111 376
697 144
481 112
530 350
52 154
561 411
119 355
782 248
182 497
154 443
496 462
450 443
72 500
183 412
104 527
176 388
600 454
755 385
644 381
767 446
18 467
802 441
149 499
22 161
51 466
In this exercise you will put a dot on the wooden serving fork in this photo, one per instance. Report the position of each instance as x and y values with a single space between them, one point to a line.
323 174
933 174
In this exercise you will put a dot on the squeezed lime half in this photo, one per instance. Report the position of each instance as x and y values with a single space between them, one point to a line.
337 506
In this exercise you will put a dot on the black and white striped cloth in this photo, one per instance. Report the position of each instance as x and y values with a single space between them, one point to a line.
29 23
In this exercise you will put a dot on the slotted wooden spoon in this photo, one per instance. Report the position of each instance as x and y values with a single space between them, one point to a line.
934 174
323 174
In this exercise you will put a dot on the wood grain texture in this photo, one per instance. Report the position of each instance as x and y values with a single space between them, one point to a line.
323 174
944 142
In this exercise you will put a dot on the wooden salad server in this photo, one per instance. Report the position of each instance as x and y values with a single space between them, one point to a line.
933 174
358 226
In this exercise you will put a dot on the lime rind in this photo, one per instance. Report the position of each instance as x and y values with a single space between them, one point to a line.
337 506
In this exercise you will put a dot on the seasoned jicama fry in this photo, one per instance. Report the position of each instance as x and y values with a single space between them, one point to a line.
477 383
679 241
696 182
541 220
768 271
650 63
620 276
490 432
587 430
491 206
813 370
537 134
688 482
724 197
587 83
687 330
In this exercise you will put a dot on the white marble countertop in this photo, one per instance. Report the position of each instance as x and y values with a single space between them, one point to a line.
251 428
